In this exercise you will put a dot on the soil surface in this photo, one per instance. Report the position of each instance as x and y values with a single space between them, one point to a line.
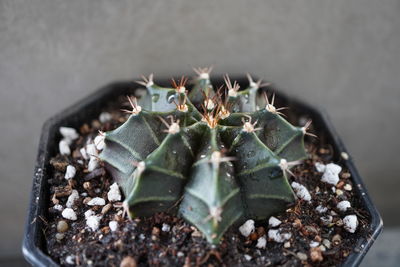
316 238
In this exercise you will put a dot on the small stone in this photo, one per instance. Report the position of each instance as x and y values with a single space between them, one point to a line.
58 207
106 208
247 228
348 187
89 213
247 257
60 236
62 226
274 222
97 201
91 150
70 259
69 133
69 214
64 148
326 243
261 242
165 227
302 256
72 198
93 222
84 155
277 236
343 205
301 191
346 175
339 192
321 209
114 194
319 166
113 226
253 236
99 141
344 155
128 261
331 174
105 117
287 244
180 254
314 244
336 239
70 172
350 223
316 255
93 164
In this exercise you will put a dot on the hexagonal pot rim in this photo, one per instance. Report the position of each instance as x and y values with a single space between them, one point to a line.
33 245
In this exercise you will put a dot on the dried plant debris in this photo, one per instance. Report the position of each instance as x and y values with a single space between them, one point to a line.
88 224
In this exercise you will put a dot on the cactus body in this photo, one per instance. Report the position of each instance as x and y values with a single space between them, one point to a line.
214 167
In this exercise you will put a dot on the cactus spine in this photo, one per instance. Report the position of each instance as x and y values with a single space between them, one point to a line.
213 157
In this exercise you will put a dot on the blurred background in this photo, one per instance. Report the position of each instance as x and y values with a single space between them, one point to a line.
343 56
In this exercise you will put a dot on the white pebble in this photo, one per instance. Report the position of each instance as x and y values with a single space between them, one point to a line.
301 191
70 172
343 205
261 242
321 209
113 225
85 156
350 223
70 259
69 214
319 166
64 147
97 201
277 236
58 207
89 213
104 117
344 155
274 222
331 174
114 194
99 141
347 187
247 228
72 198
93 164
91 150
93 222
69 133
180 254
247 257
314 244
165 227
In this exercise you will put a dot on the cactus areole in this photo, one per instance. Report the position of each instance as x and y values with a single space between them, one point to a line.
215 157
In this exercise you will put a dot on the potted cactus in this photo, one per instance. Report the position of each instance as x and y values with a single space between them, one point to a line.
195 175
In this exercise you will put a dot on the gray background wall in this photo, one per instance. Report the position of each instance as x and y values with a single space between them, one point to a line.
341 55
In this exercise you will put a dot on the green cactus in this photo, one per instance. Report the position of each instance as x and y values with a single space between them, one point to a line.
215 167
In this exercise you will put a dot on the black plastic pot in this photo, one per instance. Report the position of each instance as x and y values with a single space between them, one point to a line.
34 245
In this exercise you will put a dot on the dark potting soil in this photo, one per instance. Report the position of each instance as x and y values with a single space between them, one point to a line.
317 239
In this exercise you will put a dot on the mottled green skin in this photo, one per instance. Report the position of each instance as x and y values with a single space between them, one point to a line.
179 167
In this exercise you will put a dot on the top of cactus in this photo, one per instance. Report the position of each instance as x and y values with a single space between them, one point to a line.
221 156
